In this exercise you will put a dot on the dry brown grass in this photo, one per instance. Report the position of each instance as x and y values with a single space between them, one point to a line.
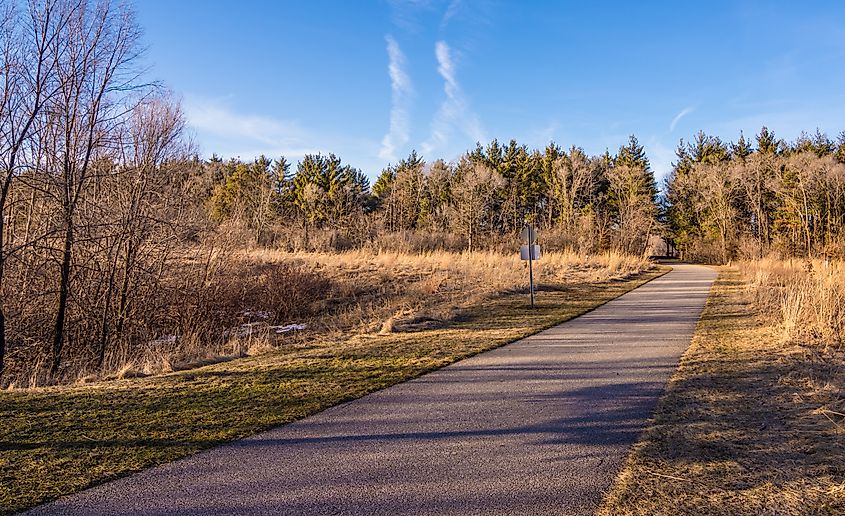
804 298
218 302
373 291
750 423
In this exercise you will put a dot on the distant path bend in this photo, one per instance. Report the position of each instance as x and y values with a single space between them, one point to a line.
540 426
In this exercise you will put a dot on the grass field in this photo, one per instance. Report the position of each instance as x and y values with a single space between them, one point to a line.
224 303
59 440
751 423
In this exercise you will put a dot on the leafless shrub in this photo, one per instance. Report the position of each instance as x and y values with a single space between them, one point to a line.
196 312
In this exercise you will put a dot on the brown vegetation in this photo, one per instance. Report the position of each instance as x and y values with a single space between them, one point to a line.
200 308
219 304
433 288
805 299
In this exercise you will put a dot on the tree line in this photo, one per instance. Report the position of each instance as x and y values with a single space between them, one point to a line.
484 197
753 198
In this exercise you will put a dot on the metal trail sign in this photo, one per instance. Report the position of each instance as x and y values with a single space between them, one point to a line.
528 234
530 251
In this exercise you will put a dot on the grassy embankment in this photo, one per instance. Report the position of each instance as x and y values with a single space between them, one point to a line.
753 422
58 440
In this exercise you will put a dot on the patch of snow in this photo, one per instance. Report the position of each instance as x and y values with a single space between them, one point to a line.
165 339
288 328
248 329
258 314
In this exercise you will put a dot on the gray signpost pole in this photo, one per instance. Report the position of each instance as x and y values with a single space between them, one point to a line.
529 252
530 263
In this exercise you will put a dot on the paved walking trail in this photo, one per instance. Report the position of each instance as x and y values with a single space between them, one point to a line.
540 426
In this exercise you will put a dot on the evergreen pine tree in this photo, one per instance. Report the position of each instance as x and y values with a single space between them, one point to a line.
741 149
766 142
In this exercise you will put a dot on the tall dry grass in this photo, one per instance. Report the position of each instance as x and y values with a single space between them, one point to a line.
214 304
386 291
806 298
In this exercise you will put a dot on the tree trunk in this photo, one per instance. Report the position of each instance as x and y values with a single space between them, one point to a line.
64 290
2 313
123 303
3 196
104 327
2 340
104 323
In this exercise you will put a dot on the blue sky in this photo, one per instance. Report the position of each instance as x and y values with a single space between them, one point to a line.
370 81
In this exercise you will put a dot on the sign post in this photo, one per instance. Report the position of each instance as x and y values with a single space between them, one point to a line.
530 265
529 252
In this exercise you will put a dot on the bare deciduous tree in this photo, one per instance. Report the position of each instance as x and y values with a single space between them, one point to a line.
95 52
29 44
573 177
473 191
634 206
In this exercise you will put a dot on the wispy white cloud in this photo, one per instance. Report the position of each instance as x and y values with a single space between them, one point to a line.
454 112
401 91
451 10
684 112
406 14
245 135
446 67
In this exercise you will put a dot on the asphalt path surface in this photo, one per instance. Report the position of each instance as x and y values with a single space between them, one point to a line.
540 426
